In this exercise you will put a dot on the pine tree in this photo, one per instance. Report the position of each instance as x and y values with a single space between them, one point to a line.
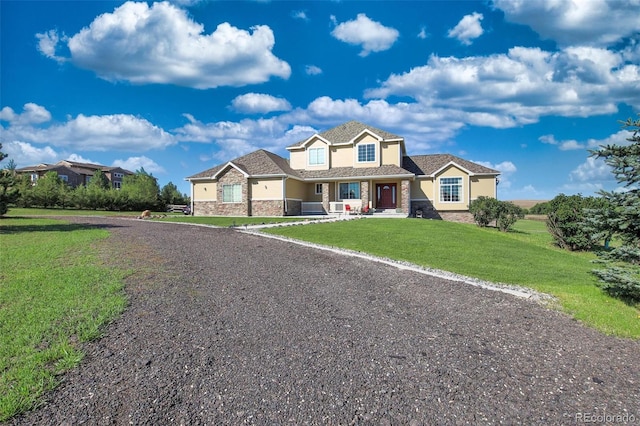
621 275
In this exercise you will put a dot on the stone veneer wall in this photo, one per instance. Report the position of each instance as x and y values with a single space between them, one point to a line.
364 193
267 208
462 217
325 196
405 196
232 176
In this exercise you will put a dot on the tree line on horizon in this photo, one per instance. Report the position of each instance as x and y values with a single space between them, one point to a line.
139 191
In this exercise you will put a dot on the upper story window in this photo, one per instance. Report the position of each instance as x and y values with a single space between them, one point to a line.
64 178
118 175
316 156
367 153
450 189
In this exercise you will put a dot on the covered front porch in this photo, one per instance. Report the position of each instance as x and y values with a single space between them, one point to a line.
360 197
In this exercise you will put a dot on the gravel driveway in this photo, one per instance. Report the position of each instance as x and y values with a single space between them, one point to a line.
229 328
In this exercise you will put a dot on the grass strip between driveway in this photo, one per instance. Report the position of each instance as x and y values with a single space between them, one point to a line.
524 257
55 293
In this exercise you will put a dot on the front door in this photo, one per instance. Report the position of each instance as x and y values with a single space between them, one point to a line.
386 195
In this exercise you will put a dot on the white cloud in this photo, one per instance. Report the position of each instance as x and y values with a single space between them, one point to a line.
468 29
25 154
136 163
32 114
160 44
591 22
517 88
619 138
300 14
312 70
48 43
423 33
591 170
371 35
259 103
87 133
80 159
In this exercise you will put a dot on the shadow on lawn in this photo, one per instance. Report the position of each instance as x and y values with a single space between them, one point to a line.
51 227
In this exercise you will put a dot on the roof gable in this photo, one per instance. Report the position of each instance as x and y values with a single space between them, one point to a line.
347 133
433 164
256 163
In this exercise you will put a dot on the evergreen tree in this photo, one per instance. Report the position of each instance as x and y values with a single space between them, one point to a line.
621 275
141 190
8 189
48 189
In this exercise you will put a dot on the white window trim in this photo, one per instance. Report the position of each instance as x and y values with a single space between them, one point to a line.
232 185
315 149
460 193
375 152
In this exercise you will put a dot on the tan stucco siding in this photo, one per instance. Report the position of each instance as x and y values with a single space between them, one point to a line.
483 186
296 189
205 191
390 152
317 143
297 159
266 189
463 204
422 189
341 156
366 139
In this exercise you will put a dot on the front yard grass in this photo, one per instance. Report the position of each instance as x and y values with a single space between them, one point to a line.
524 257
55 293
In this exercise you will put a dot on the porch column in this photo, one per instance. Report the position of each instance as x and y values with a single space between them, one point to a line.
325 197
364 193
405 193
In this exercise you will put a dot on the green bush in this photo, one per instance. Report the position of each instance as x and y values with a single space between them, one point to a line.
565 219
487 209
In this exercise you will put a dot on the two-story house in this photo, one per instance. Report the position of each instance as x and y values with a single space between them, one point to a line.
350 168
74 173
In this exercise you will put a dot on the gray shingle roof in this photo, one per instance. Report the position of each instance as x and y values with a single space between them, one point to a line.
256 163
351 172
429 164
347 131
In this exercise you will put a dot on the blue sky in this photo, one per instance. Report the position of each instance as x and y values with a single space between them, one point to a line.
526 87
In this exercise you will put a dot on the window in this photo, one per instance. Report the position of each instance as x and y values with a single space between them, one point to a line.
117 185
367 153
316 156
318 188
64 178
118 175
232 193
451 190
34 177
350 191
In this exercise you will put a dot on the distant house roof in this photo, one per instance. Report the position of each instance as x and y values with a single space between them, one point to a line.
347 132
81 168
429 165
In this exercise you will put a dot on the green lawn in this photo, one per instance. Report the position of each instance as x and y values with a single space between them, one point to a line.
524 257
22 212
55 294
226 221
